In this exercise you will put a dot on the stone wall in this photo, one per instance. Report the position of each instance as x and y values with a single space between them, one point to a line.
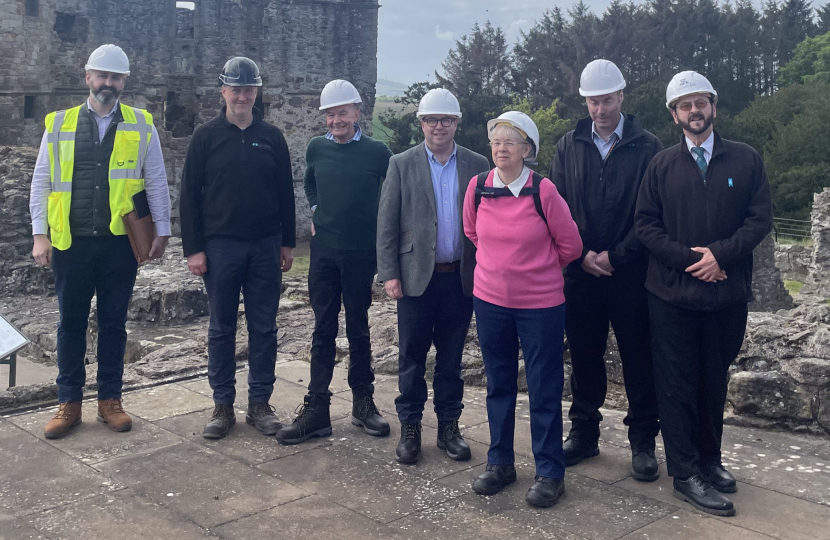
820 266
794 261
767 285
176 55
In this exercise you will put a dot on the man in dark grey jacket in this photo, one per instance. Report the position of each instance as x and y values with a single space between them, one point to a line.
426 264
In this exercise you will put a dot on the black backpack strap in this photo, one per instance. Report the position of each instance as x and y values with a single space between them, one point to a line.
480 180
537 198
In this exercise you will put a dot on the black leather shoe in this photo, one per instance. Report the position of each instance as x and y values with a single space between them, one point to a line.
312 420
579 448
721 479
409 449
451 441
262 417
220 423
545 492
644 466
494 479
700 494
366 415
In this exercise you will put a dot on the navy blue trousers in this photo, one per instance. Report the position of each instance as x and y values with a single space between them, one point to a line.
441 316
541 333
106 267
334 274
253 267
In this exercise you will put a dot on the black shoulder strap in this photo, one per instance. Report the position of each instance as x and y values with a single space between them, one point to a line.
480 180
537 198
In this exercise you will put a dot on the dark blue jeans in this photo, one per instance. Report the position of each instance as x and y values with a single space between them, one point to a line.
253 267
104 266
442 316
334 274
541 332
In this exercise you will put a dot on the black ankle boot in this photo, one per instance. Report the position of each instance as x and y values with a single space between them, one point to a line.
366 415
262 417
409 449
312 420
545 492
451 441
494 479
644 466
220 423
578 447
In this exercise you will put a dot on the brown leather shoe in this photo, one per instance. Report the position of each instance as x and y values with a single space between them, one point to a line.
112 414
67 417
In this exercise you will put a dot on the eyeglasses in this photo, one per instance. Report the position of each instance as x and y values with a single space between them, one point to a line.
509 144
699 103
447 121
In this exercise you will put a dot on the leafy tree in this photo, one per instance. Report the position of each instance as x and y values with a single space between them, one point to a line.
810 63
551 129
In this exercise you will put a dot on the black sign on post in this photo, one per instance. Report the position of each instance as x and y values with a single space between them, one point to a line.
11 341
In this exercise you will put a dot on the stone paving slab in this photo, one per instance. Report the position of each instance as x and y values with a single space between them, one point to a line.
36 476
684 525
204 486
12 527
760 510
165 401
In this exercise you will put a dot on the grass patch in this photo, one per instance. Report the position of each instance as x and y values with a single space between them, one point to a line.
793 286
299 268
783 239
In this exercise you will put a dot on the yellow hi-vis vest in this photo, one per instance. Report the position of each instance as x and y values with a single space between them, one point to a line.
132 141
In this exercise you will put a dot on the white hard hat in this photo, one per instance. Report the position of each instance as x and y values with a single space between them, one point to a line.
687 83
523 123
600 77
439 101
338 92
111 58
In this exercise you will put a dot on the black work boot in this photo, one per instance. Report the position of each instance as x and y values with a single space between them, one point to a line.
494 479
644 466
312 420
579 446
366 415
545 492
409 449
721 479
262 417
220 423
700 494
451 441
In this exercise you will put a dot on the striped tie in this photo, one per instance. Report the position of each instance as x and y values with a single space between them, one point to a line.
701 162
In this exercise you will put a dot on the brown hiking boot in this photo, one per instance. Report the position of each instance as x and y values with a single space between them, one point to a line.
112 414
67 417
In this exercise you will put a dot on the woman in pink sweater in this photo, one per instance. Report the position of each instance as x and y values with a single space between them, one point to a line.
525 236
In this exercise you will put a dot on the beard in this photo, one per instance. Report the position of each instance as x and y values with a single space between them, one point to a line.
707 121
106 94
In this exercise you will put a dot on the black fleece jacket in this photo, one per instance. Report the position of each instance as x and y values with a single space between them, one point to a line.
730 213
602 195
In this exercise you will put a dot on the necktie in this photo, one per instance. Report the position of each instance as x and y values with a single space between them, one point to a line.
701 162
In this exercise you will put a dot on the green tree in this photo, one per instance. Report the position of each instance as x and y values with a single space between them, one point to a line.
551 129
810 63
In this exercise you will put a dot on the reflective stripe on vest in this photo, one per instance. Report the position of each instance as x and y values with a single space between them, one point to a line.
126 166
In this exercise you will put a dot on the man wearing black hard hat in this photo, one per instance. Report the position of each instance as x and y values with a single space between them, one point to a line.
237 214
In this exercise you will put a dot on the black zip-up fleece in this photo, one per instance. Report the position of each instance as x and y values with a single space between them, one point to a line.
730 213
236 183
602 195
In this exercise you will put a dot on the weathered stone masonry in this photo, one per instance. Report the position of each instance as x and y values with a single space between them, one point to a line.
176 55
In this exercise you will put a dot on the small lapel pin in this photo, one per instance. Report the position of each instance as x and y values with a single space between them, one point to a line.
730 182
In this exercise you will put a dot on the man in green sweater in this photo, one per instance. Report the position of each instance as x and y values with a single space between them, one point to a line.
344 172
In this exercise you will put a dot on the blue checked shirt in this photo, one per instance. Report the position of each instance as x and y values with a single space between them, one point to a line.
445 186
357 135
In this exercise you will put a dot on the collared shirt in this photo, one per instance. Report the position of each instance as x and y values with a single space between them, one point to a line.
708 145
516 185
155 180
445 186
356 137
605 146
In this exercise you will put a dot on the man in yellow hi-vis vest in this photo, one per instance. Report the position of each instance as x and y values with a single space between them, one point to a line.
93 159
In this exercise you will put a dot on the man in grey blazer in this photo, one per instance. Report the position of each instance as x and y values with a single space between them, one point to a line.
426 264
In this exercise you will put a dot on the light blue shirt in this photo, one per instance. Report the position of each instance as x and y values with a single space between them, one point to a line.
445 186
708 146
605 146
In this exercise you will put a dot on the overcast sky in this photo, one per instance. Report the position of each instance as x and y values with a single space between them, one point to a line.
415 35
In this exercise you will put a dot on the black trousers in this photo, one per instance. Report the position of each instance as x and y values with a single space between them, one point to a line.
441 316
332 274
692 354
106 267
592 303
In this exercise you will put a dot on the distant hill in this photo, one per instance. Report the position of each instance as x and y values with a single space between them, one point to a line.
386 87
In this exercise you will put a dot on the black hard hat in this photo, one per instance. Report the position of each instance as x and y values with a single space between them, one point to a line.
240 71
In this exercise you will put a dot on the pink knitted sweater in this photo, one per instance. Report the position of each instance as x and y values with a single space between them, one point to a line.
519 260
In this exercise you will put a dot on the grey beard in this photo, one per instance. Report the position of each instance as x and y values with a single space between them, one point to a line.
105 99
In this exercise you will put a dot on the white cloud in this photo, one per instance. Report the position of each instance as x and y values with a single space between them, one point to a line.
444 35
